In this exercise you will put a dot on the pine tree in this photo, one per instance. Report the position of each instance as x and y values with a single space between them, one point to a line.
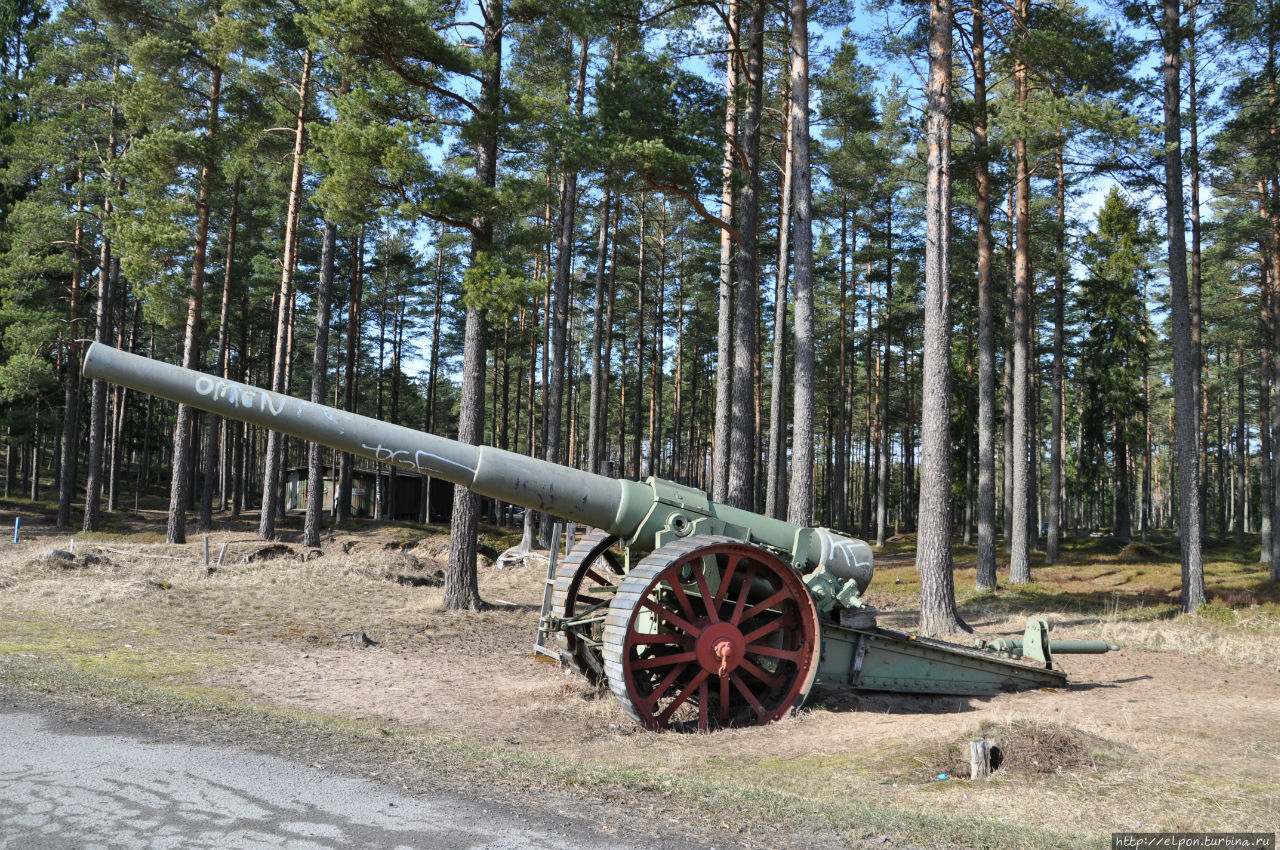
933 548
1113 352
1184 368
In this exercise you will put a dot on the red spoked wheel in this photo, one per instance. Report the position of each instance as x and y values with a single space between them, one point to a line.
584 585
710 632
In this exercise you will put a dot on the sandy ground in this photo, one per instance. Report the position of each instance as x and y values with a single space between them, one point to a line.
1162 738
1160 715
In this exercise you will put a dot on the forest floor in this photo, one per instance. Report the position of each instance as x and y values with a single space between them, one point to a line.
342 656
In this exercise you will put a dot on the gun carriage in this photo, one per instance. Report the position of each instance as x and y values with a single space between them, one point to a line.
694 614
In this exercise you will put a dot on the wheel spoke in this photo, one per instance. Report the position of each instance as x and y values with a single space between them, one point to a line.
671 616
684 695
746 692
751 668
766 604
637 637
678 589
596 577
703 724
664 660
661 688
773 652
724 700
764 630
725 579
707 601
742 595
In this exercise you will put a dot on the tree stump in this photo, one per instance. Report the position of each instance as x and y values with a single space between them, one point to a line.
979 759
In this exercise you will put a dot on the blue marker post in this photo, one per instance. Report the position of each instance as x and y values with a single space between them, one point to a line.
17 523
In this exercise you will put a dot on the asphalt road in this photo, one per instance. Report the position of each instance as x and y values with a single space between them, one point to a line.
71 785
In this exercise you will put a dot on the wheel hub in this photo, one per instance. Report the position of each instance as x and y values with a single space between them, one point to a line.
720 648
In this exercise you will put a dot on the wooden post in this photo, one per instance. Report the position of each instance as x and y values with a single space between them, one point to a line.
540 643
979 759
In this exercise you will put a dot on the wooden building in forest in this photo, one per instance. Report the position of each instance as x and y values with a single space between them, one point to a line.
416 498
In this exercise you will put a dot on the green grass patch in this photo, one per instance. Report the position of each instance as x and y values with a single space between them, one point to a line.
118 652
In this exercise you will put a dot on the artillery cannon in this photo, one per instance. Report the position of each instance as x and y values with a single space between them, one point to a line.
695 614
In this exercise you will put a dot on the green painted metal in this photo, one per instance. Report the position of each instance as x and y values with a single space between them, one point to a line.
879 659
1037 646
1081 647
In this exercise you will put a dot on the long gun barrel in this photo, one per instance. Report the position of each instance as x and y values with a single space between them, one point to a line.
646 514
562 491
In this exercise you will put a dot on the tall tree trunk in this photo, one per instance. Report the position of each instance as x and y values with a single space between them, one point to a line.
319 370
869 402
1241 456
274 460
102 333
1197 318
220 361
461 589
843 476
176 531
970 415
98 397
37 458
725 330
1034 437
1274 342
1184 355
658 360
637 401
743 444
239 431
70 450
1020 554
433 364
598 402
776 463
121 395
677 406
1054 503
884 466
351 370
1146 419
559 318
380 487
1122 525
1221 449
1006 378
938 613
433 373
986 564
1268 289
800 504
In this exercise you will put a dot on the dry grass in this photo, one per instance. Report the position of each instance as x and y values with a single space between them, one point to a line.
463 692
1021 749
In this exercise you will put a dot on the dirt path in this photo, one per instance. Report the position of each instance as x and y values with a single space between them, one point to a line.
80 781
